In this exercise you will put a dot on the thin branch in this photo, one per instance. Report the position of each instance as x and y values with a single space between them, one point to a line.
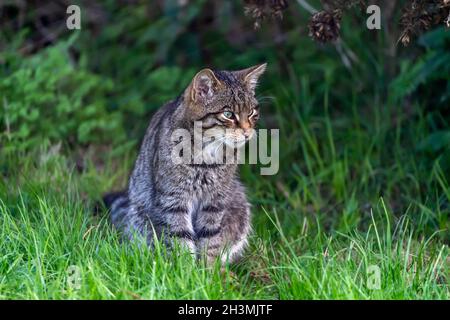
346 54
305 5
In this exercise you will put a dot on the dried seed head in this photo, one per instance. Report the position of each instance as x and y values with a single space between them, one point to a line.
405 39
262 9
325 26
419 16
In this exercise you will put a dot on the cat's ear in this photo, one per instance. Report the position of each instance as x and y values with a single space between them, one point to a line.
204 86
250 76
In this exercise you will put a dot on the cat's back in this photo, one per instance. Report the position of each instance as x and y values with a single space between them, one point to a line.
158 129
162 117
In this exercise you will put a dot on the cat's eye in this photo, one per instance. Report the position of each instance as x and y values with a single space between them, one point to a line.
228 114
252 113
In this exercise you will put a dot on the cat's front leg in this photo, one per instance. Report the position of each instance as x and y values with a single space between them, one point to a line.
223 233
208 230
173 218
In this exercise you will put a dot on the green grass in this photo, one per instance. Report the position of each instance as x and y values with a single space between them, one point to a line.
352 194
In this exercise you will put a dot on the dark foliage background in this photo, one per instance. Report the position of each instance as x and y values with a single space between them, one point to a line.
138 54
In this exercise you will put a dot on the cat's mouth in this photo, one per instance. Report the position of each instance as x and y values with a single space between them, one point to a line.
231 138
236 141
238 138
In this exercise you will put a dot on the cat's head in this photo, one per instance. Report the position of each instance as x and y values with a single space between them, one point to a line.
225 103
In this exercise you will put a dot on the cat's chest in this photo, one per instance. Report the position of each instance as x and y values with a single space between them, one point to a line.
205 182
208 187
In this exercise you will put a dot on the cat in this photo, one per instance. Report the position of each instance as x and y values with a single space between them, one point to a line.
201 204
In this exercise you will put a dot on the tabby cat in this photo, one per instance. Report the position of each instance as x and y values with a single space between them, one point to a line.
202 204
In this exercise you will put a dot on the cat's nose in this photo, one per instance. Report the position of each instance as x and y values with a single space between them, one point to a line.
245 125
247 133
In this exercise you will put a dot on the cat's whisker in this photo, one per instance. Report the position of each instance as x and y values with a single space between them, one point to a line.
220 144
263 99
